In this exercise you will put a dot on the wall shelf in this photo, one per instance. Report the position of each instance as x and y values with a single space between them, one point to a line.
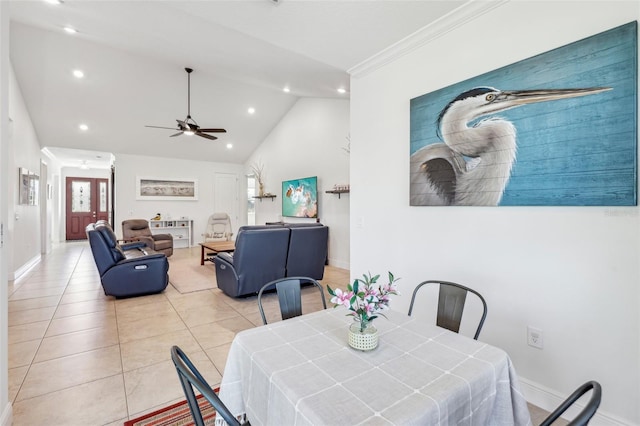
338 191
260 197
181 230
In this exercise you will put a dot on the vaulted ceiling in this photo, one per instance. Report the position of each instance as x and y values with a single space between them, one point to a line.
243 52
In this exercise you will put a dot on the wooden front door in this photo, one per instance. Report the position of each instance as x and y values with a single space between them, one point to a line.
87 202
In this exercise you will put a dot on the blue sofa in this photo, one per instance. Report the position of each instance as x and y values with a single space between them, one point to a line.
267 252
129 269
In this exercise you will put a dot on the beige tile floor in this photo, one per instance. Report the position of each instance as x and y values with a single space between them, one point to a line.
78 357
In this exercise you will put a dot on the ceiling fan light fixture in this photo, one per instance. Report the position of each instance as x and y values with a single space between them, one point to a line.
70 30
188 126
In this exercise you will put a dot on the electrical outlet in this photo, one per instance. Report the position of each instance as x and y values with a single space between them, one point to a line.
534 337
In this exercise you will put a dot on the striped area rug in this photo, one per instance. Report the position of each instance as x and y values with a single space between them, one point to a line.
176 415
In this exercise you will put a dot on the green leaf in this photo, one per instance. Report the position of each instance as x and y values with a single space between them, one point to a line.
331 292
355 286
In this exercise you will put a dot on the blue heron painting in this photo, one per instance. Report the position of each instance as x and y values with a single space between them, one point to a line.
555 129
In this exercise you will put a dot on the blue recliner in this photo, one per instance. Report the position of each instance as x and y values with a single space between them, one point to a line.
260 256
307 251
129 269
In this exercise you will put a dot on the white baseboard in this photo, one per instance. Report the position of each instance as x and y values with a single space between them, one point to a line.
24 268
548 400
6 419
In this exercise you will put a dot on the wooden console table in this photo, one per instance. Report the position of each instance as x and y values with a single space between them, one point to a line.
216 247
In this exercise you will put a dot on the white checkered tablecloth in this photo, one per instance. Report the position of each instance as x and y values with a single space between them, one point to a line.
302 372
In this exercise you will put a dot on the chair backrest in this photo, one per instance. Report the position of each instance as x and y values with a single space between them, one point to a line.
261 253
307 251
218 227
451 300
289 295
587 412
103 243
132 228
191 378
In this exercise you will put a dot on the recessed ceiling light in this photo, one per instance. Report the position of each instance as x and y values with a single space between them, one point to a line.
83 127
70 30
229 146
53 1
342 90
78 73
251 110
286 89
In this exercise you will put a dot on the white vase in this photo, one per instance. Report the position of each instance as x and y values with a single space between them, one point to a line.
363 340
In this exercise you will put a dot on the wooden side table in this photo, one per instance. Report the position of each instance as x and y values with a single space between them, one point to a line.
216 247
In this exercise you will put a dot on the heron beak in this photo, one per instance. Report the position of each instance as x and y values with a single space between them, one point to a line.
513 98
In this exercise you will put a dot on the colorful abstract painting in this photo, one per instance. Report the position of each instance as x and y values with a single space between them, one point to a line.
557 129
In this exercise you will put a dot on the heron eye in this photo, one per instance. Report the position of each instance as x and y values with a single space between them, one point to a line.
490 97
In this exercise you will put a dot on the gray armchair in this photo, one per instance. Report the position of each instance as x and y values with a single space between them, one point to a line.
138 230
218 228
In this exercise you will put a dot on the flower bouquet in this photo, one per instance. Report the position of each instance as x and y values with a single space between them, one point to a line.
365 298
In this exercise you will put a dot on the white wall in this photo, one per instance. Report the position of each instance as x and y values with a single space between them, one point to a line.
5 406
128 167
24 151
309 141
571 271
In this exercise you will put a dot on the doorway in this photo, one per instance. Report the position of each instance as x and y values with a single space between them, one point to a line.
225 196
87 201
251 201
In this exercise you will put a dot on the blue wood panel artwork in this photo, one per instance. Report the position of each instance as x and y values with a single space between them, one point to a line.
556 129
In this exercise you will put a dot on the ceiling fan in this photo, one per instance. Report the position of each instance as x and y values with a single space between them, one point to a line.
188 126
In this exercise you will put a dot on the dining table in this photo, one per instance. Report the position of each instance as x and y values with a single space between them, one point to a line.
302 371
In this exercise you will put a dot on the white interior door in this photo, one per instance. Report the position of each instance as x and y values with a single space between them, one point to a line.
225 197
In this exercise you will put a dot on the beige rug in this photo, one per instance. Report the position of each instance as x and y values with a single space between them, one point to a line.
187 275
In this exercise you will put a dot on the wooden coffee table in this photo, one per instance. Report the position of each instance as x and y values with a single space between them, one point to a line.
216 247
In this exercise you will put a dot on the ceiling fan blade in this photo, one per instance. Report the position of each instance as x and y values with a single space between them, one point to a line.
213 130
213 138
177 134
158 127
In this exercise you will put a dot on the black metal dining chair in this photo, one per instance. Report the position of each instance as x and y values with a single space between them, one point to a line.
289 295
191 378
587 412
451 302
